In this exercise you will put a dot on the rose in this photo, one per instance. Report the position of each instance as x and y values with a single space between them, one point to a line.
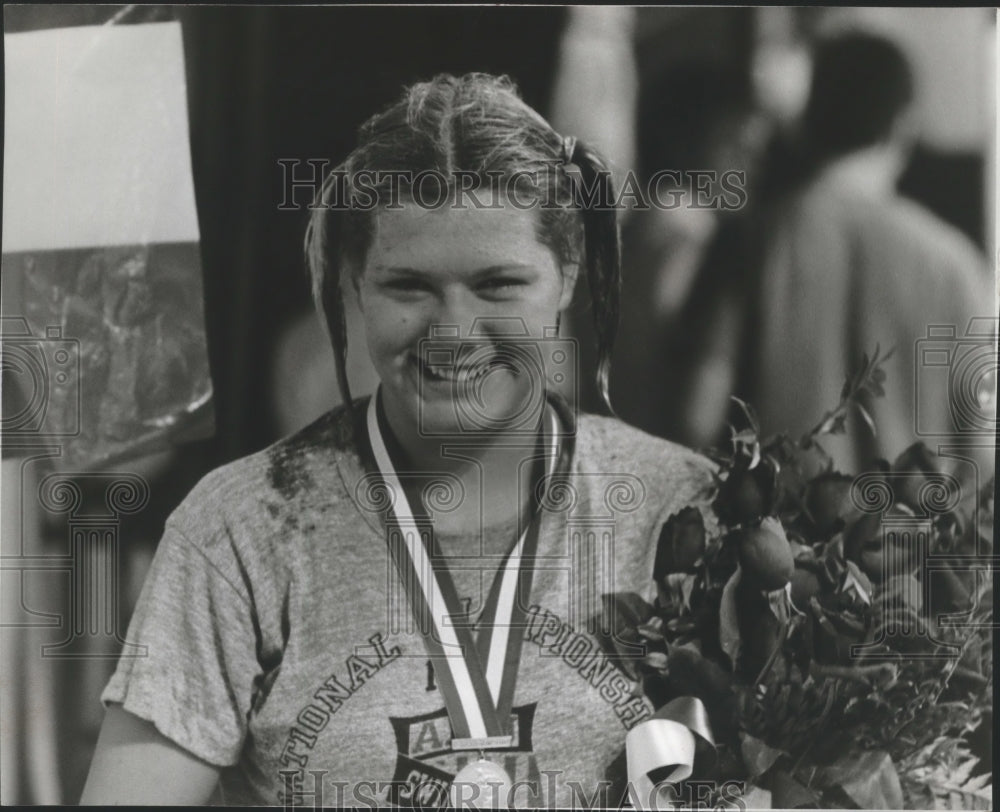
805 585
692 673
765 555
747 494
828 504
681 544
910 472
863 544
806 578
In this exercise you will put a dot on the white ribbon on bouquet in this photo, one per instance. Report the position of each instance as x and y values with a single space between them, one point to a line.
667 741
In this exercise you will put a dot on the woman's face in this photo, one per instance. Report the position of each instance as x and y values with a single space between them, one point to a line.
454 303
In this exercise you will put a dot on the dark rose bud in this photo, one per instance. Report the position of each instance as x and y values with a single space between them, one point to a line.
681 544
949 533
828 503
766 556
863 544
805 584
747 495
693 674
910 472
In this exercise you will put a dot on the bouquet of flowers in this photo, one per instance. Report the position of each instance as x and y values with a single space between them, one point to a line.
837 629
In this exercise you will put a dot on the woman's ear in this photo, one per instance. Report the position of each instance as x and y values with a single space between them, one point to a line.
570 271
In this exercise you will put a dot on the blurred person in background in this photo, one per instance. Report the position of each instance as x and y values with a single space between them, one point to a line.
688 268
851 265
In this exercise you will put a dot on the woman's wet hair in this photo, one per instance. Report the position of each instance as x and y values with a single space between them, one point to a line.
474 132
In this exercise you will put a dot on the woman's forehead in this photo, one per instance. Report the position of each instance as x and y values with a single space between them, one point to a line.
416 237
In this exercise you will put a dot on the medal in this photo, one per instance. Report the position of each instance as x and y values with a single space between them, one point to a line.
479 673
481 784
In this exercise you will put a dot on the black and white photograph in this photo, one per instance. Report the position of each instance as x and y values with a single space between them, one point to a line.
498 406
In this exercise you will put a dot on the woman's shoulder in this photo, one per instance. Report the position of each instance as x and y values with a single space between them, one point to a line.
609 445
289 470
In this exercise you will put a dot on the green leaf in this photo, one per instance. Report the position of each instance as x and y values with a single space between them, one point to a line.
729 626
751 415
758 757
949 796
868 778
687 589
856 582
834 424
657 660
756 798
867 418
651 629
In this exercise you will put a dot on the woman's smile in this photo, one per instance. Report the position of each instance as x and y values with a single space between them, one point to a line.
465 374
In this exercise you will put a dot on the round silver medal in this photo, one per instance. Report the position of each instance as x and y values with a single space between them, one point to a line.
480 784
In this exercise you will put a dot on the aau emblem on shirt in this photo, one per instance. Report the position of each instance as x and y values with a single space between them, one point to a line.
425 764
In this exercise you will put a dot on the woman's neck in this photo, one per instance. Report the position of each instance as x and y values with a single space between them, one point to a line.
457 454
497 474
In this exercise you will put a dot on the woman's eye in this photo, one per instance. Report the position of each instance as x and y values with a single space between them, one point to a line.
407 285
501 284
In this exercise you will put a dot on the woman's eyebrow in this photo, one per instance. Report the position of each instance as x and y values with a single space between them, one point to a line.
489 270
401 270
503 267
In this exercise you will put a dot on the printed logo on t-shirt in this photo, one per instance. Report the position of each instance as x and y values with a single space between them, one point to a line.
582 652
329 697
426 764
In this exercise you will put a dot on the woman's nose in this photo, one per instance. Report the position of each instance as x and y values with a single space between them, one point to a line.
458 311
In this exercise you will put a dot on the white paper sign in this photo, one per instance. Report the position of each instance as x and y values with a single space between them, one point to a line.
96 148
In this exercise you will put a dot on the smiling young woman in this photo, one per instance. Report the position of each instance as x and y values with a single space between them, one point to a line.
411 596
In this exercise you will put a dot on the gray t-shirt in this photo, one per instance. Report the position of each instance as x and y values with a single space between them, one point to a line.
280 645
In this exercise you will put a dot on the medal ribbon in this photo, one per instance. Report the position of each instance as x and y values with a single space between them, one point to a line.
480 673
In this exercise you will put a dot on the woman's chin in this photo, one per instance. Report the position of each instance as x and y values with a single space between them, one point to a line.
441 408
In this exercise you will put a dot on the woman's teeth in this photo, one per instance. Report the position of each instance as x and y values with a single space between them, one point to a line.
462 374
446 373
